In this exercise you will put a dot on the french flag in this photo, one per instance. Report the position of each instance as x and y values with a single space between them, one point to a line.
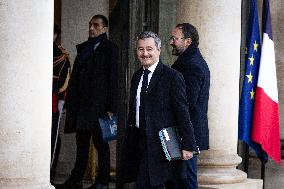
265 128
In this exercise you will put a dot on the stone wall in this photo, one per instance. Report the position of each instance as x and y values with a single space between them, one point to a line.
75 21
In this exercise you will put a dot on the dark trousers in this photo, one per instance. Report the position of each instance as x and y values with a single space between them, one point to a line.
191 168
191 173
55 143
83 143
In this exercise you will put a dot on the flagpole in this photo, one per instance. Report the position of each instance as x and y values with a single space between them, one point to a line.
263 173
246 158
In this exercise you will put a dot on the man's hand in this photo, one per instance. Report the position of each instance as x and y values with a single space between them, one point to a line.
186 155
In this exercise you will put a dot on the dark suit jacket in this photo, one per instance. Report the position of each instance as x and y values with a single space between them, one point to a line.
165 105
92 89
197 79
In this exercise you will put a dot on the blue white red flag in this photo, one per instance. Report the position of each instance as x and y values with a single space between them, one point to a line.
247 100
265 129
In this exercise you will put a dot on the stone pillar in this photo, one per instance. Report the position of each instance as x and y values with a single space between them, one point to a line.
26 30
219 26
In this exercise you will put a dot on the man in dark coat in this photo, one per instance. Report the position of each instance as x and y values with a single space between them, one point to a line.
157 101
196 74
92 94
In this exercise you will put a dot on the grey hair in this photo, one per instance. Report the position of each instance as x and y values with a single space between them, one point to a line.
150 34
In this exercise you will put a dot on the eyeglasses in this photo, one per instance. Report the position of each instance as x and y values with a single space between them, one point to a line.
173 38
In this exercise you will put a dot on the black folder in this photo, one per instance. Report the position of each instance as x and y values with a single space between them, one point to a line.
170 141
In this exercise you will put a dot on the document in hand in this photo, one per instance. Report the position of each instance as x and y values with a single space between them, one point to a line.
170 143
109 128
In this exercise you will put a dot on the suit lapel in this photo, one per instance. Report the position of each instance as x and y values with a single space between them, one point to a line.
156 76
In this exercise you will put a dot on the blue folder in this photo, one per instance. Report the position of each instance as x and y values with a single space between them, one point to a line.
109 128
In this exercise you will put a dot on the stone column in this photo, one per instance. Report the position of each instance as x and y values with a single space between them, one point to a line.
219 26
26 30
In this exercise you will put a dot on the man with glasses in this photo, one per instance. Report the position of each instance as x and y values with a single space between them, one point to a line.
92 93
190 63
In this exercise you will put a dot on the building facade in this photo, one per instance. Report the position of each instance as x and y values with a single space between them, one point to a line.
26 75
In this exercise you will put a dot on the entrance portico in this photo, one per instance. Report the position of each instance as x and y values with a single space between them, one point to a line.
25 90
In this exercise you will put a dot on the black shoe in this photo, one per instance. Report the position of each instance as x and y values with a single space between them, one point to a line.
59 186
69 185
98 186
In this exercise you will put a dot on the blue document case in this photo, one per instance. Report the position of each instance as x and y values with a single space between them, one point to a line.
109 128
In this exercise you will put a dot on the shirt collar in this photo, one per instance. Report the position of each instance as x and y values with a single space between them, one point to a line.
153 67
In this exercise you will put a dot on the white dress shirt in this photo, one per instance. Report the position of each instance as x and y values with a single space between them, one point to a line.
151 69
